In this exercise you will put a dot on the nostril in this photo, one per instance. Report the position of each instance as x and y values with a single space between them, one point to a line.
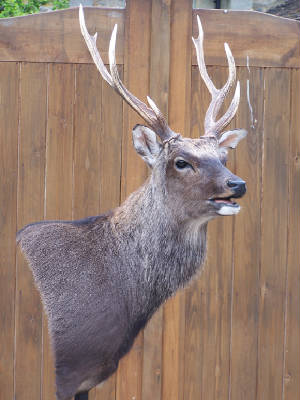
239 187
232 184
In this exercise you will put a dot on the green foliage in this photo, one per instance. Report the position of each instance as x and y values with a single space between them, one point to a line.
59 4
13 8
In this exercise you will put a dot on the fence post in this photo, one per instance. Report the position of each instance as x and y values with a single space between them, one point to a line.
179 120
134 171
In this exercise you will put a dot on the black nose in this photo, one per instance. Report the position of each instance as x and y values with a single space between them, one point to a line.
238 187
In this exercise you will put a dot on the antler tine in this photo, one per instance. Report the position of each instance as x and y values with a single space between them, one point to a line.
215 127
211 126
91 44
198 43
152 115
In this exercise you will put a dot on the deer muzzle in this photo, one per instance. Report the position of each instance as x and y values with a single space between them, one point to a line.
224 204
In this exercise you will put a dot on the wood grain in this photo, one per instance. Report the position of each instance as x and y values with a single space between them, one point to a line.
274 209
136 77
33 85
9 110
179 120
159 91
208 301
56 37
274 44
160 53
110 176
110 147
194 296
59 182
247 240
59 174
87 131
268 41
291 380
134 171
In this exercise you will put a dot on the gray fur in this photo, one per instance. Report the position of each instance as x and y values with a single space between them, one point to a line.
102 278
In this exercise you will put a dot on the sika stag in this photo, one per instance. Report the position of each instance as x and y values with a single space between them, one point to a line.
102 278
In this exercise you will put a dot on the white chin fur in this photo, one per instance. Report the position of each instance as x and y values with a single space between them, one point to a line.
227 210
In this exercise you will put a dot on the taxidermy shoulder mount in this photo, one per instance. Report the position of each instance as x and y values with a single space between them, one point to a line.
102 278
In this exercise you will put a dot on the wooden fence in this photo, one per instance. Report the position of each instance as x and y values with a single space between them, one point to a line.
66 152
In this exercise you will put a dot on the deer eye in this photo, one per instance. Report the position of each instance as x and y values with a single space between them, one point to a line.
181 164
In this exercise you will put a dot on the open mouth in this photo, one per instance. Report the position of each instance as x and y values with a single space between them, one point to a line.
220 201
225 205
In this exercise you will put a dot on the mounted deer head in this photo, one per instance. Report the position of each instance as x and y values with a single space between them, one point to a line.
102 278
185 157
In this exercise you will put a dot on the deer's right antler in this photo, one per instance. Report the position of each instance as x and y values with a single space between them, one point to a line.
211 126
153 116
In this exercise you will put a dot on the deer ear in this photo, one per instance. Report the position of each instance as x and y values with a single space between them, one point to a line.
232 138
146 144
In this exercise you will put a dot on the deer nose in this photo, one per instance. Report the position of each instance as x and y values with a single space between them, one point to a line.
238 187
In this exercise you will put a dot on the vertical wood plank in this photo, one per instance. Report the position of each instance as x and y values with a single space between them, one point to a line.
217 286
97 159
136 77
208 301
33 114
111 147
110 175
87 131
134 171
160 53
59 183
274 234
159 91
9 109
292 346
59 175
247 241
179 120
194 295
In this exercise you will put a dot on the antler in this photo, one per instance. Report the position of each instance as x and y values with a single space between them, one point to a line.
211 126
153 116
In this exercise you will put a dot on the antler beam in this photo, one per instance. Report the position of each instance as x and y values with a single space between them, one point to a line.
152 115
211 126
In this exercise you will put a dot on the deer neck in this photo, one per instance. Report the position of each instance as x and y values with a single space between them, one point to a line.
169 250
149 211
